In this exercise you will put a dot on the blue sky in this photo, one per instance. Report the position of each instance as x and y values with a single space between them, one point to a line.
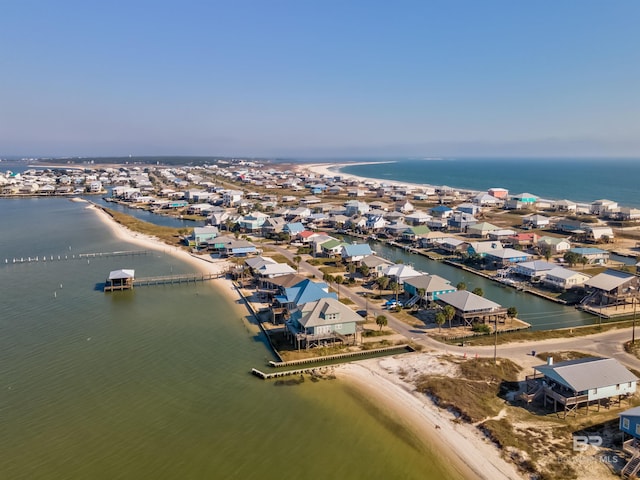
320 78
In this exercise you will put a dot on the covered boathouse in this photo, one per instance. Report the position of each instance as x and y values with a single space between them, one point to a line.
573 384
120 280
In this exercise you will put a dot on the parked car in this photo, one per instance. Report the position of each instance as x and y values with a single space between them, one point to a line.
392 304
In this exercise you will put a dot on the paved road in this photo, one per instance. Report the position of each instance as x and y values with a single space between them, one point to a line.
607 344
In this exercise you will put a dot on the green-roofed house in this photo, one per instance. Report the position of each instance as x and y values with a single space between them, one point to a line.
332 248
413 234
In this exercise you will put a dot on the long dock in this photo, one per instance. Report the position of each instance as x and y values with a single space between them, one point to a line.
176 279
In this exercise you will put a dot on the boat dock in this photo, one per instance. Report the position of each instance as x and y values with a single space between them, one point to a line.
111 286
176 279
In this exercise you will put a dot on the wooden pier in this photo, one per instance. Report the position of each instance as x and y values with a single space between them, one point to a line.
161 280
175 279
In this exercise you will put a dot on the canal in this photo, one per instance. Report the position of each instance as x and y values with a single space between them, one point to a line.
542 314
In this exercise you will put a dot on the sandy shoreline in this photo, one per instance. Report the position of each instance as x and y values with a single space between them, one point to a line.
201 264
469 455
332 169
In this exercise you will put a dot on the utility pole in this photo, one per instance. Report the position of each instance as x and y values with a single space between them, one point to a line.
495 344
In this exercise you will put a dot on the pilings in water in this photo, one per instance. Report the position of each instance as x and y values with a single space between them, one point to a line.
79 256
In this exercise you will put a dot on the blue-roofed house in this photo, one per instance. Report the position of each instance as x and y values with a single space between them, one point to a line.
355 252
302 292
441 211
293 229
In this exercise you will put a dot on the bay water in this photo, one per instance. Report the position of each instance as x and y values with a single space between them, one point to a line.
154 383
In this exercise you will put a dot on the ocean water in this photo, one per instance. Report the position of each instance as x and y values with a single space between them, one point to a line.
154 383
579 180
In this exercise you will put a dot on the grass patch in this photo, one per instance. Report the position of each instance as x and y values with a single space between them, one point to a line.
562 356
474 396
169 235
376 333
346 301
523 336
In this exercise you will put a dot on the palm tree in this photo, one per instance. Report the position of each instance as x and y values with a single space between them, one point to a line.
440 319
395 286
382 282
461 286
449 313
478 291
297 259
381 321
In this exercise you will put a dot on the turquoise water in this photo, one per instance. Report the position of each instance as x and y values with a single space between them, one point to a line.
154 383
579 179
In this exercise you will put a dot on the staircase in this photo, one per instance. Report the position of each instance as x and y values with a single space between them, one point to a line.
531 397
631 468
412 301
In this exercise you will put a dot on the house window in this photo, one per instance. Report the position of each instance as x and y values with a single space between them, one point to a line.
338 326
625 423
638 429
618 387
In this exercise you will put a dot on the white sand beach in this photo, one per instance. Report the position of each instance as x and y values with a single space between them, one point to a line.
202 264
470 455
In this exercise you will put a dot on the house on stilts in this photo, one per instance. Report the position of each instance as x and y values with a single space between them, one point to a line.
579 384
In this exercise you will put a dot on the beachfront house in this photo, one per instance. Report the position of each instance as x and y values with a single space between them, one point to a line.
561 278
432 285
201 236
294 296
580 383
322 322
521 201
231 247
471 308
